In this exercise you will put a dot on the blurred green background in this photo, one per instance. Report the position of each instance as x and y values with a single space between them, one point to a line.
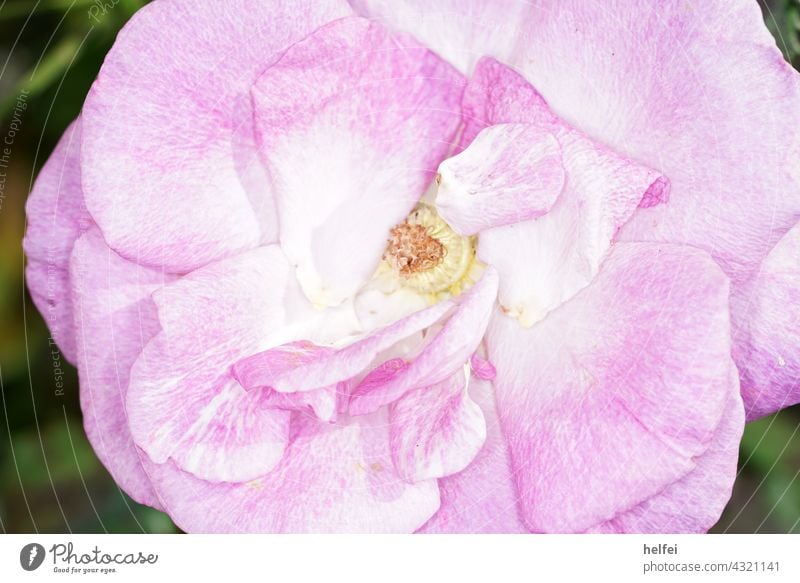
50 480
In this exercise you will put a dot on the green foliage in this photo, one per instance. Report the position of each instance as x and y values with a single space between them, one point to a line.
783 20
766 497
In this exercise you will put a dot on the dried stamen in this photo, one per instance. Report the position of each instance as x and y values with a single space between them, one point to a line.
428 256
412 249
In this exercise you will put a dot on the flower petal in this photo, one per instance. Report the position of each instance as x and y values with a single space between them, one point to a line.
323 403
482 368
448 350
616 394
562 250
56 216
288 369
437 430
498 94
332 479
183 401
766 312
461 31
114 319
260 370
352 123
168 149
482 498
692 504
509 173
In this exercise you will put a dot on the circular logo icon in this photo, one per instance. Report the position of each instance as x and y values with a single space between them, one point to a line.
31 556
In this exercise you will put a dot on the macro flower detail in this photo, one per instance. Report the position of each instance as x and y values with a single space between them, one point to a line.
388 267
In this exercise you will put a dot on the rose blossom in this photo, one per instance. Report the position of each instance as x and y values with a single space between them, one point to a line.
525 270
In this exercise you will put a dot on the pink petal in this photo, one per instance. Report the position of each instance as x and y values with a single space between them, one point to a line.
332 479
656 194
183 401
260 370
482 368
437 430
496 94
114 320
56 217
236 436
693 504
459 30
255 373
509 173
482 498
449 349
379 376
352 123
616 395
320 367
169 159
766 312
322 403
562 250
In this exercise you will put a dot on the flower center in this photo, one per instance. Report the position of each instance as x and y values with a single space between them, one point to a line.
428 255
412 249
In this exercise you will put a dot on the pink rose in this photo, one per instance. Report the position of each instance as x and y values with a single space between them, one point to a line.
516 272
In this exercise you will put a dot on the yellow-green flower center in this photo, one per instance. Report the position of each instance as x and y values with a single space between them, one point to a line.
429 256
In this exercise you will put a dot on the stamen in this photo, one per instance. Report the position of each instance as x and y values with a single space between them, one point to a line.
428 256
412 249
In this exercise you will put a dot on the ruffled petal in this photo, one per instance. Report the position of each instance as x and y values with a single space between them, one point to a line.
448 350
56 216
256 372
482 498
561 251
766 315
437 430
498 94
331 479
482 368
694 503
615 395
183 401
544 262
323 403
169 161
303 366
510 173
352 123
114 319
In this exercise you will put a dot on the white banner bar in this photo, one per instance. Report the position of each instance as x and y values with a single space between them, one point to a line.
406 559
